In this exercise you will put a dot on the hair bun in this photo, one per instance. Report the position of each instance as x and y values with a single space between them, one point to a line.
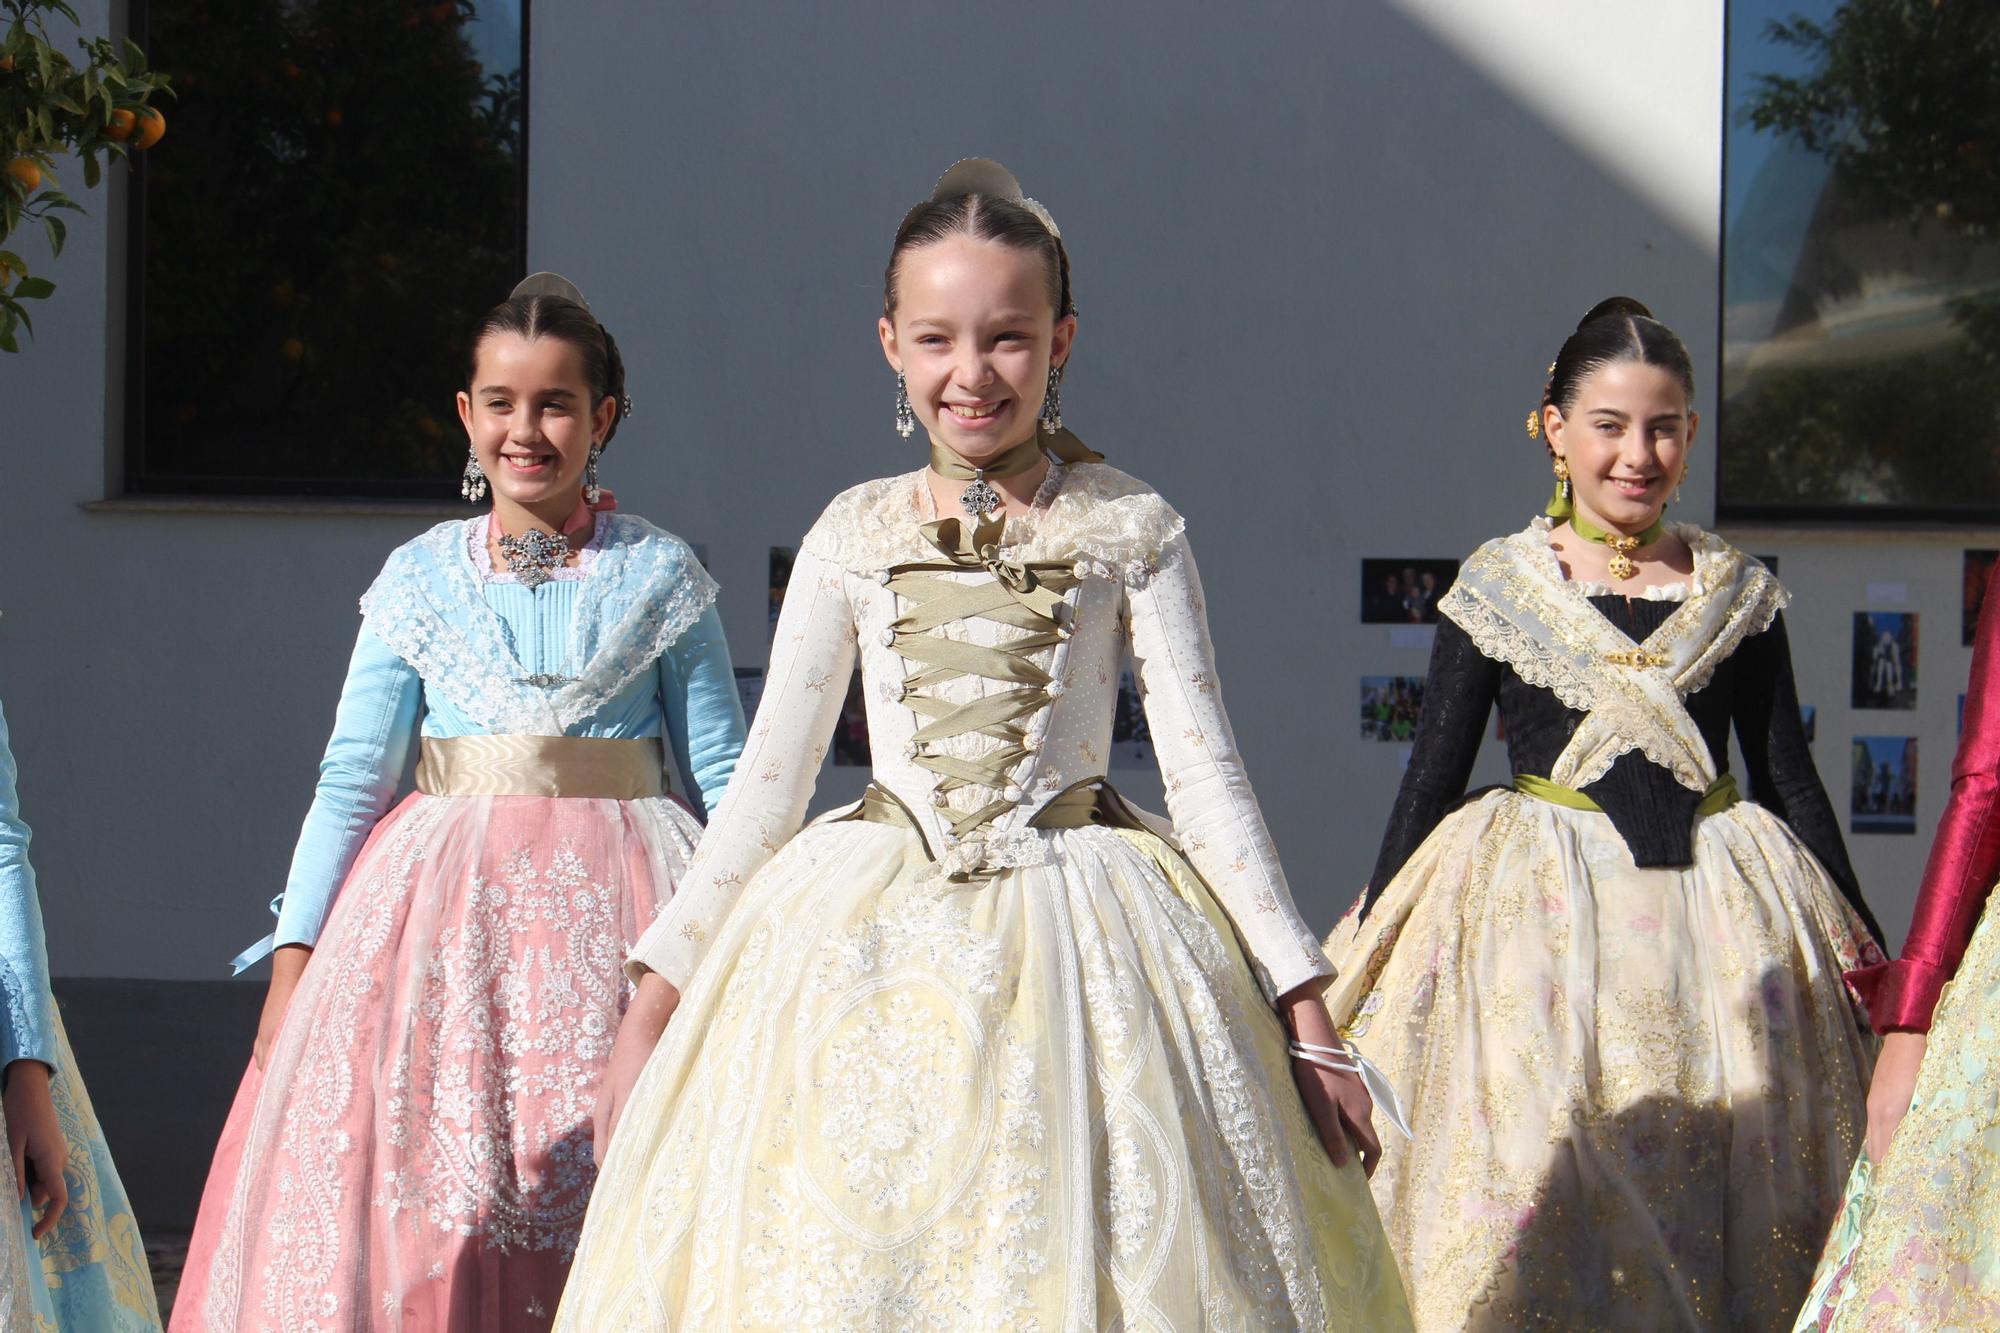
548 284
976 175
1614 307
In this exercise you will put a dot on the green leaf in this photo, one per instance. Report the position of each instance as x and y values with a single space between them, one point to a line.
14 262
22 315
135 59
92 173
33 289
58 232
7 343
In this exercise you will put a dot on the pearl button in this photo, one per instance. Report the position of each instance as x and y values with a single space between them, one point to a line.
902 691
888 638
1032 744
938 798
1012 793
912 750
883 578
1054 689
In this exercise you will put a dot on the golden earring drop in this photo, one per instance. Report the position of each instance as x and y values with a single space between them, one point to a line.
1534 425
1562 476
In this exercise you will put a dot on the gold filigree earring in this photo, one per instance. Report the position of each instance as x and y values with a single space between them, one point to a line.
1562 476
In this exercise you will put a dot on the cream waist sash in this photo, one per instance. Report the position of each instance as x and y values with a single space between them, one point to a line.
576 766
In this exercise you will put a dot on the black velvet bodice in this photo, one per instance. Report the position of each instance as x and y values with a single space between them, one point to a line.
1754 690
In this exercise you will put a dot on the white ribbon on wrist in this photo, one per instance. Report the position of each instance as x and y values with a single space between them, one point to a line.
1345 1059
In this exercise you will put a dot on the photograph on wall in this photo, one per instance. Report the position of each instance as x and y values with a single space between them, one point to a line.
1389 707
850 730
781 574
1404 592
1809 719
1131 738
1883 795
1978 573
1885 659
750 689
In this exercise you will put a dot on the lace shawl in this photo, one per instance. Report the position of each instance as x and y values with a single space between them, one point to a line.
1112 524
645 590
1512 600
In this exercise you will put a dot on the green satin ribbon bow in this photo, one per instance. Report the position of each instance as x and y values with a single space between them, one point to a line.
1061 445
1590 532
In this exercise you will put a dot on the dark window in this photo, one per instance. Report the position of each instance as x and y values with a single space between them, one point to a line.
341 194
1861 274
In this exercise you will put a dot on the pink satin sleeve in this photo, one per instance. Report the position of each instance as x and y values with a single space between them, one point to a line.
1965 858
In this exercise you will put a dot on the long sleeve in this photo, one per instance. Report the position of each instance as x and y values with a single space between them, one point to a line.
812 657
27 1027
1459 691
357 778
704 711
1215 813
1965 857
1780 770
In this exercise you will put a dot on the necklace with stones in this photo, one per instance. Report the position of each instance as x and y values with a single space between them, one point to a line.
534 556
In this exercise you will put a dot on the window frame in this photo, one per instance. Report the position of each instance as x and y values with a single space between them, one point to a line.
135 479
1783 515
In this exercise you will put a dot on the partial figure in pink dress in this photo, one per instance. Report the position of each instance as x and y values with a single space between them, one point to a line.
410 1148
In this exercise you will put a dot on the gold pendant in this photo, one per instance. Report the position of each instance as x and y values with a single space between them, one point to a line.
1620 565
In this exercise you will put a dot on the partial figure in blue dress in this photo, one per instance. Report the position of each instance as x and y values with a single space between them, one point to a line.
411 1147
70 1255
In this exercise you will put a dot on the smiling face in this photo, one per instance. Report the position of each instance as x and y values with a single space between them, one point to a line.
974 333
530 419
1626 438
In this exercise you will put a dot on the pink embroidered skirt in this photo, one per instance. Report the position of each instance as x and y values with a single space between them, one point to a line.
416 1155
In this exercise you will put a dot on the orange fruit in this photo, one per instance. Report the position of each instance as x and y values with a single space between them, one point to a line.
27 173
6 64
333 117
121 125
292 350
6 275
152 127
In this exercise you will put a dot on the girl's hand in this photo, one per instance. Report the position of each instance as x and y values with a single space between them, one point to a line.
287 964
1895 1082
1338 1102
35 1138
638 1034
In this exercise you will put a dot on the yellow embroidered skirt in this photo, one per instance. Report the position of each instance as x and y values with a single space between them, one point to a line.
1635 1093
1917 1248
1054 1099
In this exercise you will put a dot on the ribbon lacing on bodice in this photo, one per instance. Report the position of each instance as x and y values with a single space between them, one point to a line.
1028 597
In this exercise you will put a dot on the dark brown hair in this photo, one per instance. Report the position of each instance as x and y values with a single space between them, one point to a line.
544 316
987 218
1617 329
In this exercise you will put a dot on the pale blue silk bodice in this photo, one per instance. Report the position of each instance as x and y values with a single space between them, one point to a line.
26 1025
628 647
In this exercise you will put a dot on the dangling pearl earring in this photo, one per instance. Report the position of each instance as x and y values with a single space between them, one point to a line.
906 420
592 492
473 484
1052 401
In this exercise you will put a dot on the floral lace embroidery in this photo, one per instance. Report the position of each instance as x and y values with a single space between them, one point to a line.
645 590
1094 513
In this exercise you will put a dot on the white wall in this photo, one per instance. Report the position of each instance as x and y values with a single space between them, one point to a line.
1322 258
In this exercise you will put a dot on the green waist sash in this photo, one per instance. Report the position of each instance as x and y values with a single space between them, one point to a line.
1090 802
1721 794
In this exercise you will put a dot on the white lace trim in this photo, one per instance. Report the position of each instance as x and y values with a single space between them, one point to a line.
477 551
1012 849
427 606
1512 601
1087 513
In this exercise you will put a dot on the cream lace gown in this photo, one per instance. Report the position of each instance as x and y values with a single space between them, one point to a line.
984 1053
1635 1088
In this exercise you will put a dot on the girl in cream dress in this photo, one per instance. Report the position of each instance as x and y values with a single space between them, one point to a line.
1611 994
989 1049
